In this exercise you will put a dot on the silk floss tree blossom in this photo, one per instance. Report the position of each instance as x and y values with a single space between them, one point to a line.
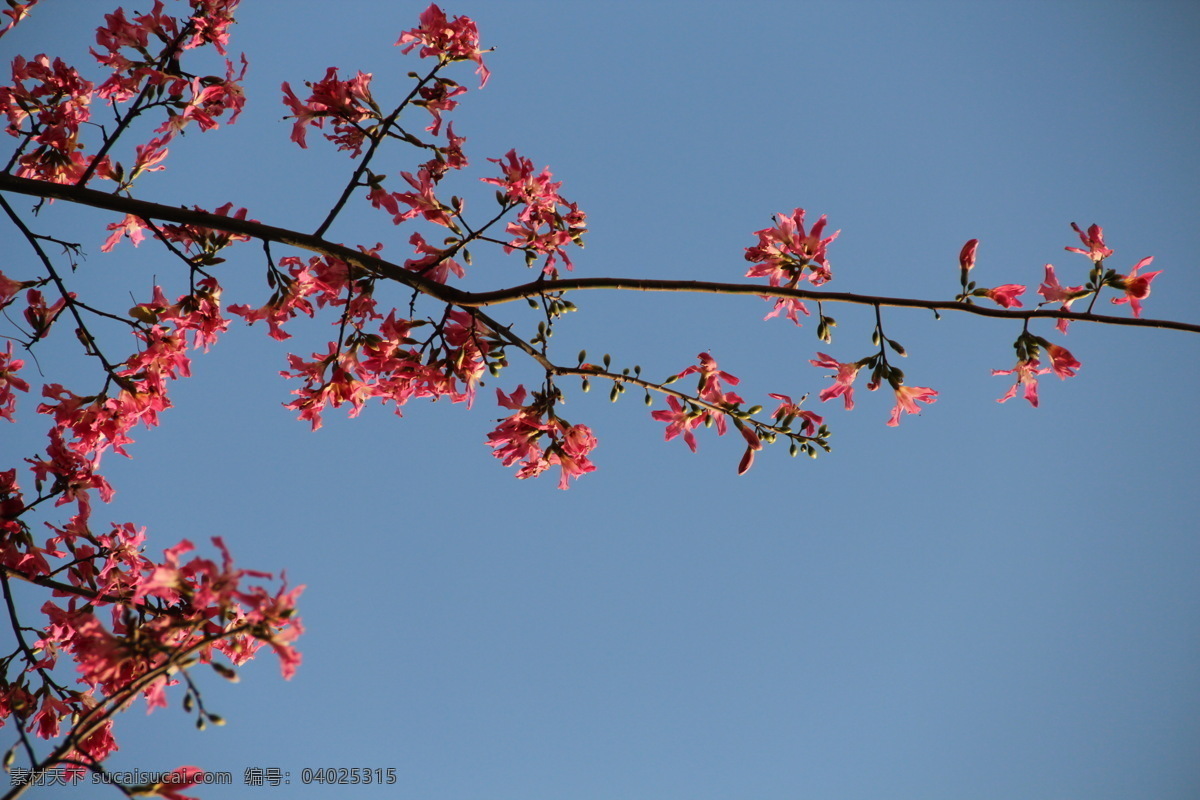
119 627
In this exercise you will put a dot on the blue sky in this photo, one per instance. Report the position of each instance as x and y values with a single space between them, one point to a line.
990 601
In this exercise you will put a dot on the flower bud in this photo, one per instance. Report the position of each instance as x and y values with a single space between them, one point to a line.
966 258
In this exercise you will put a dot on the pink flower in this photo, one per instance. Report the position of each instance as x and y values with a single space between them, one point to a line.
792 307
783 252
347 103
811 422
1094 241
9 289
907 398
1006 295
1136 287
520 437
709 387
423 202
9 381
844 384
454 39
40 316
679 421
17 12
435 265
439 98
46 719
571 452
131 227
1027 374
966 257
1062 362
1054 292
753 445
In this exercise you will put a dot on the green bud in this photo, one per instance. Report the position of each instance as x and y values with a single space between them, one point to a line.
794 450
225 672
612 395
752 410
649 399
582 356
587 387
216 719
607 360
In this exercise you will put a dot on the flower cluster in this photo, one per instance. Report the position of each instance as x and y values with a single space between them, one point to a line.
346 104
1135 287
1005 296
907 397
389 366
447 39
126 621
47 104
1029 366
683 418
546 223
537 438
786 254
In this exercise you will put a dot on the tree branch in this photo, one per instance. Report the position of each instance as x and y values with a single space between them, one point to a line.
458 297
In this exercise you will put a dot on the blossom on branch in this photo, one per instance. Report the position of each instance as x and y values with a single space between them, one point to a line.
1062 362
436 265
844 379
1093 240
423 202
907 398
546 223
449 40
1027 372
680 420
788 411
1136 287
786 250
9 381
1005 295
48 102
347 103
537 438
1055 292
966 257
